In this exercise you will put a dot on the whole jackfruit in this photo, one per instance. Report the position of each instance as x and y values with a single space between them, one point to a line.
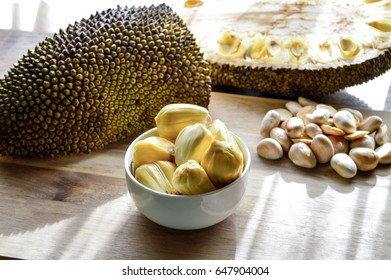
293 47
102 79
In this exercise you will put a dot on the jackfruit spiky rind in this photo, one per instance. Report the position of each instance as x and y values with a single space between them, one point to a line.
102 79
296 82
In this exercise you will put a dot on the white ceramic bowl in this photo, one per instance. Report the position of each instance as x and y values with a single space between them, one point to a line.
186 211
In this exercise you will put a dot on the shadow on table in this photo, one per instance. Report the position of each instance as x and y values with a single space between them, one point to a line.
340 98
152 241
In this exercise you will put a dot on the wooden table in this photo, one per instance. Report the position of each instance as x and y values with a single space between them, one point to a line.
79 207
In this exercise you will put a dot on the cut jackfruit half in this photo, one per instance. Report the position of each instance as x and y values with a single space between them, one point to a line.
293 47
100 80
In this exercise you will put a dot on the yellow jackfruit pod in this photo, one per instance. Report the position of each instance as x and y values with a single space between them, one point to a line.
190 178
298 49
349 48
371 1
223 162
383 26
324 52
258 48
191 143
220 132
193 3
230 44
152 149
172 118
157 176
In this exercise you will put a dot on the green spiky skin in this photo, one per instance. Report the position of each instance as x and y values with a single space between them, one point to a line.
295 82
99 81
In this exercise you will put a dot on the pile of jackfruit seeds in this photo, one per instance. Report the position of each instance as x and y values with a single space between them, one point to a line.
100 80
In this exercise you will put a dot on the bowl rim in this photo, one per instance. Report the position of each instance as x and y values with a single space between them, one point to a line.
128 164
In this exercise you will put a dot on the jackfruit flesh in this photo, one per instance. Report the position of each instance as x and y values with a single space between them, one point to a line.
152 149
157 176
190 178
292 47
223 162
221 132
100 80
191 143
174 117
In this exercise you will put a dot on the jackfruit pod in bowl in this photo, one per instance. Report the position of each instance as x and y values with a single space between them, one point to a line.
186 212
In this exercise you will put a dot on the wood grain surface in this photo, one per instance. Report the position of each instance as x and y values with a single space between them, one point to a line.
78 207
